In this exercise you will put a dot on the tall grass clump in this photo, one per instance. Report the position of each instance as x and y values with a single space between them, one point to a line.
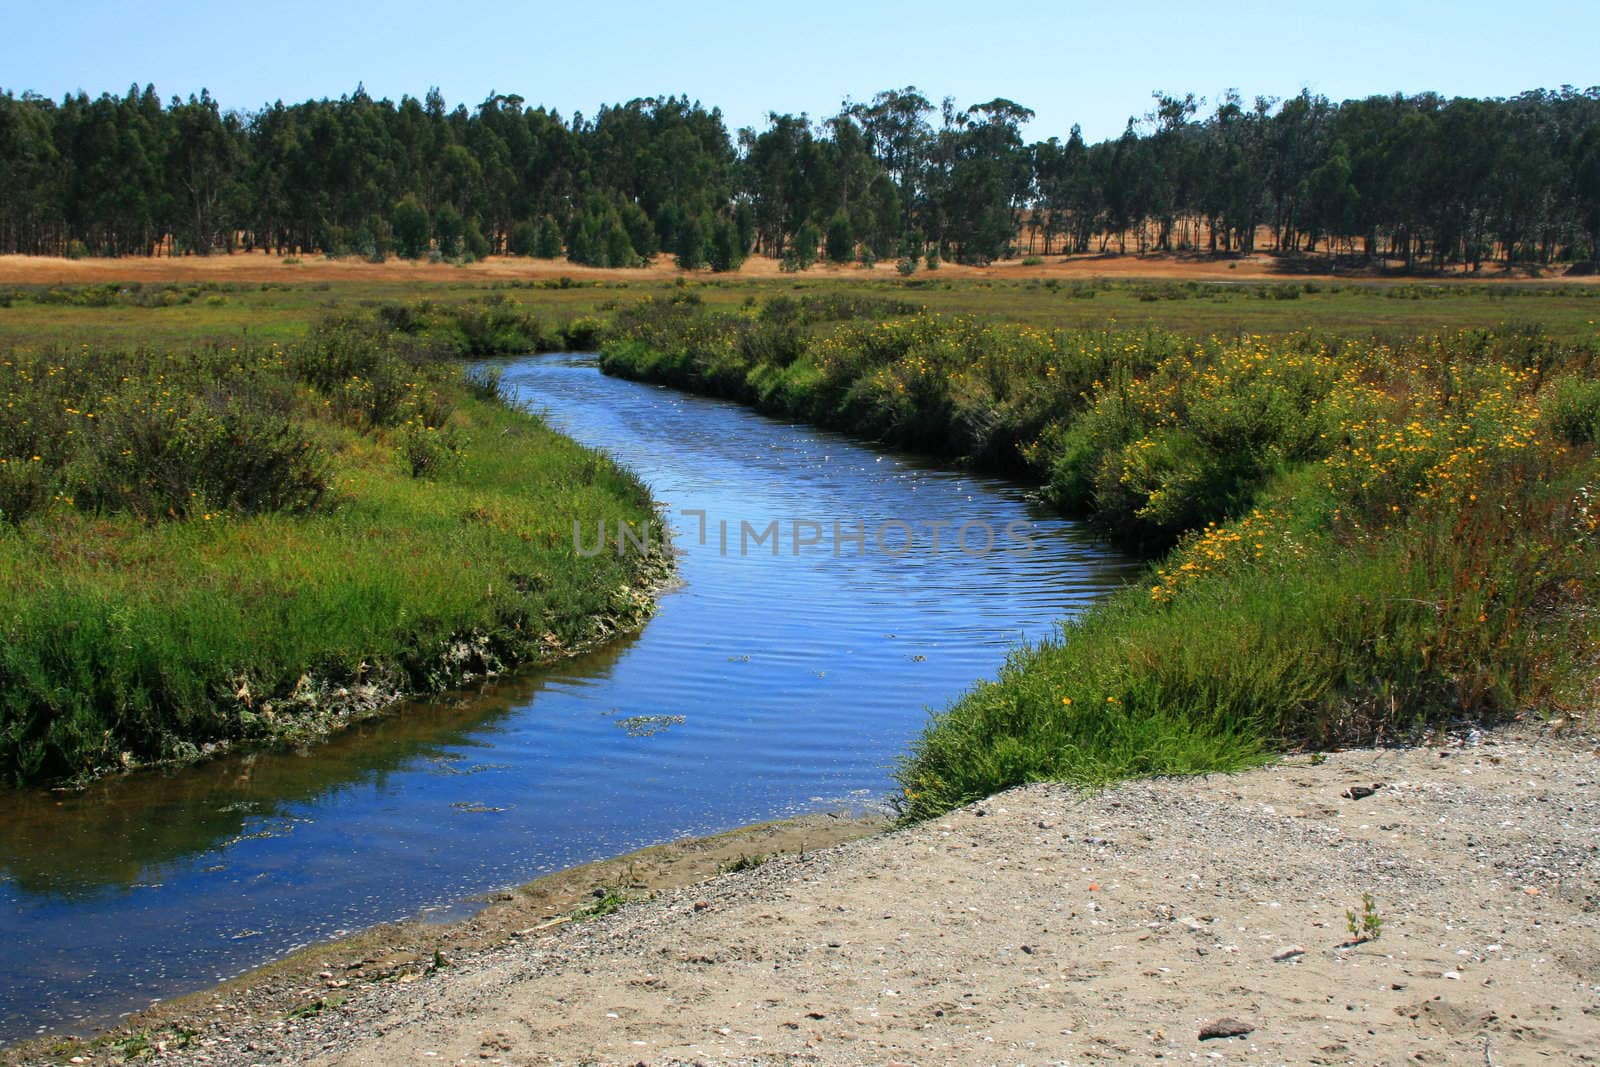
223 544
488 326
1350 540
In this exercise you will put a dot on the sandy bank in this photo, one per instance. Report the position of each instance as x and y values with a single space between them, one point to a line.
1048 926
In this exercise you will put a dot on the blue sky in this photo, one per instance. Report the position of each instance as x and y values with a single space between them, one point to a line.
1094 64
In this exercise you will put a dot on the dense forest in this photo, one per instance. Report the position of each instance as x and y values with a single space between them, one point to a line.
1418 181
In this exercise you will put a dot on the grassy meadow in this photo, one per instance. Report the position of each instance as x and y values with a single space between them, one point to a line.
205 542
1351 539
161 313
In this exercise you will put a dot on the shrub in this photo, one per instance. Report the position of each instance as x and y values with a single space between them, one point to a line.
1573 410
160 435
25 488
429 451
200 454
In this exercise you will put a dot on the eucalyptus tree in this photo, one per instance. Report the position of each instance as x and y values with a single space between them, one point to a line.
1421 179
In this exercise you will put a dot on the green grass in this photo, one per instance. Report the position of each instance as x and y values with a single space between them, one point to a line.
1351 540
1321 569
284 311
135 632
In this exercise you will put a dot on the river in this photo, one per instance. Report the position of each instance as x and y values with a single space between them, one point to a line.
768 684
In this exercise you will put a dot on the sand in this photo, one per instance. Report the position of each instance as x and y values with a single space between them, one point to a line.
1049 926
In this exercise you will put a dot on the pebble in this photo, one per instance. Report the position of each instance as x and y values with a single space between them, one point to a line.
1226 1027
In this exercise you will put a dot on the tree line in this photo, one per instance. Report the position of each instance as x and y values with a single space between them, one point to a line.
1420 179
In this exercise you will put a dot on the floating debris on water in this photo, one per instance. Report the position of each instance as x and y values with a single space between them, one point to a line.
645 725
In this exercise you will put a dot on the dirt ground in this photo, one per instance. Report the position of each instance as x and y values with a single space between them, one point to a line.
256 267
1050 926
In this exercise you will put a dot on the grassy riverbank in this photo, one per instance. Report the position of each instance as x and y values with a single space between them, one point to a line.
210 543
1353 539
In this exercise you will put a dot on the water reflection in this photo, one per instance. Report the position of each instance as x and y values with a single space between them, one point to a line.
125 832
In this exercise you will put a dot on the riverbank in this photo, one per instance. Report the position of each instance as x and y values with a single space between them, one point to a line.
1041 924
210 545
1352 540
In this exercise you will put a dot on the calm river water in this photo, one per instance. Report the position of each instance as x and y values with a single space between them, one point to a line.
798 679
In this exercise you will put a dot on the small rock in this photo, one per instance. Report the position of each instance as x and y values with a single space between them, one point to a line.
1225 1028
701 905
1357 792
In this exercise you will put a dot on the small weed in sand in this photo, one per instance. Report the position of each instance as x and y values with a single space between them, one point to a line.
607 900
744 863
1367 925
305 1011
136 1046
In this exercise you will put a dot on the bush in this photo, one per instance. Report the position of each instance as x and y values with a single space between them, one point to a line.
201 454
159 435
25 488
1195 438
428 451
1574 410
